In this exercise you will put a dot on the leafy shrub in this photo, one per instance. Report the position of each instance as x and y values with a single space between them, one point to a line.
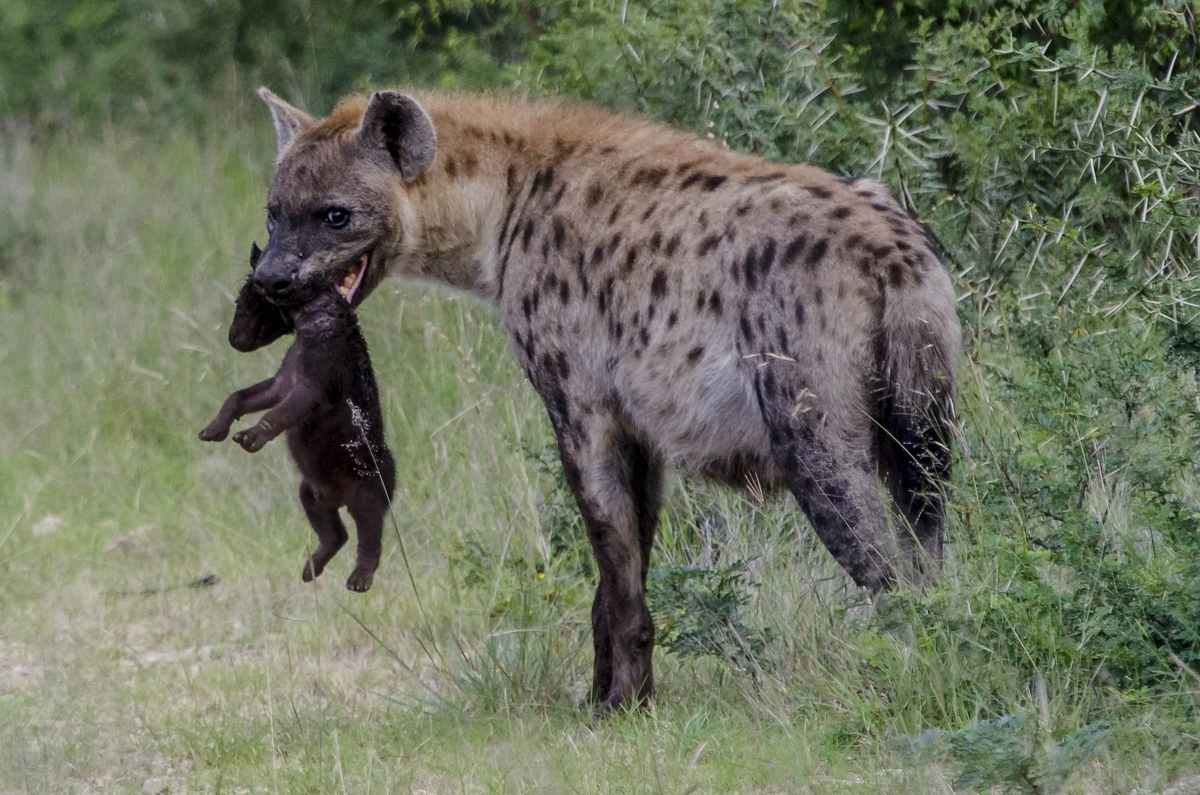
1051 149
699 613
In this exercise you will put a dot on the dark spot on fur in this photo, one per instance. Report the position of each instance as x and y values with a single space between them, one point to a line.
817 252
708 244
751 268
451 167
470 164
560 233
649 211
794 249
895 274
615 214
704 219
527 235
650 177
902 245
644 335
747 330
880 207
767 258
776 204
511 178
614 244
691 180
881 251
595 195
684 168
799 313
840 213
630 259
819 296
527 307
597 255
546 250
656 241
672 319
819 192
558 194
658 285
699 300
759 179
564 292
854 241
713 182
744 208
673 245
694 354
714 303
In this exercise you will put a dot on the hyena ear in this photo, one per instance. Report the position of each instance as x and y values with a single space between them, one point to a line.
396 126
288 120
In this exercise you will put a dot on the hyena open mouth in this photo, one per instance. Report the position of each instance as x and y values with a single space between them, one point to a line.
353 279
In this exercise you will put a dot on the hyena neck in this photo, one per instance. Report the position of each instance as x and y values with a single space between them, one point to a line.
492 153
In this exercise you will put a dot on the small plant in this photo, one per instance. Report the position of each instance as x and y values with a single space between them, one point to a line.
1005 754
699 613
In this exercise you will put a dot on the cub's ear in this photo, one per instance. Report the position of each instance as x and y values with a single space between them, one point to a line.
289 121
400 130
255 253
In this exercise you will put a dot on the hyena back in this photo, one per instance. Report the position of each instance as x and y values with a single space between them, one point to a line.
671 301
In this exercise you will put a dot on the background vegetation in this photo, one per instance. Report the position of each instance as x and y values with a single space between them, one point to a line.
1051 148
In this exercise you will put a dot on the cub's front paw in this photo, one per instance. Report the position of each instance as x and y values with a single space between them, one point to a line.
215 431
251 439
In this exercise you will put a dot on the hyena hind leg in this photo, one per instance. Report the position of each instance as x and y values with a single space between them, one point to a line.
833 474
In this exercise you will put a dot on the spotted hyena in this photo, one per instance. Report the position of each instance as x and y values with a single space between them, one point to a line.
672 302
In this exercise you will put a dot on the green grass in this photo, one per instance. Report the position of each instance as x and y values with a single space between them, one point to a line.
118 263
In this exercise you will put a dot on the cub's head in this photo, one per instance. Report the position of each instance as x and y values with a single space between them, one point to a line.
338 206
257 321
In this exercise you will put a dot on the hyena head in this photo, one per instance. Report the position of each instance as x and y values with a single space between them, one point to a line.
257 321
337 208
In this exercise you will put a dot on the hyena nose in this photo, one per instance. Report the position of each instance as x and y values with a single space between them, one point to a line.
276 285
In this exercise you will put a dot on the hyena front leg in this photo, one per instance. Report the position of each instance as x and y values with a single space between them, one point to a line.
617 482
829 463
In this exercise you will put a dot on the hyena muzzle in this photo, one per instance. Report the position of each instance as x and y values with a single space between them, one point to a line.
672 302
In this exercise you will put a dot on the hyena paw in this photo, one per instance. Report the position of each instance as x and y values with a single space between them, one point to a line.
214 432
250 439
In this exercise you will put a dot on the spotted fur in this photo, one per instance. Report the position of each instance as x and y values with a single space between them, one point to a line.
673 303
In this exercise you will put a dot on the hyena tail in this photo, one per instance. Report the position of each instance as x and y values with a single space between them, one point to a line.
918 369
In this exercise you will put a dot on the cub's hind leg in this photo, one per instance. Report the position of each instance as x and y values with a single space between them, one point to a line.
331 533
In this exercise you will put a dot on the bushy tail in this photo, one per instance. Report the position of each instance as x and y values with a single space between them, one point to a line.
919 367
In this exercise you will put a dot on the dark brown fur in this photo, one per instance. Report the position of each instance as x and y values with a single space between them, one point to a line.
325 398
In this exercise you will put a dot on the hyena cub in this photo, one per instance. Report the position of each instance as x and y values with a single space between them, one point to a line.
324 396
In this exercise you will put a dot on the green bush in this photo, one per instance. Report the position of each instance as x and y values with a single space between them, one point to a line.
1051 149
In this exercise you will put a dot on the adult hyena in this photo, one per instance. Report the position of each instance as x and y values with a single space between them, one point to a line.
671 302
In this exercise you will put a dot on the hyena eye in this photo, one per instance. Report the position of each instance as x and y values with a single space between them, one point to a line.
337 217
